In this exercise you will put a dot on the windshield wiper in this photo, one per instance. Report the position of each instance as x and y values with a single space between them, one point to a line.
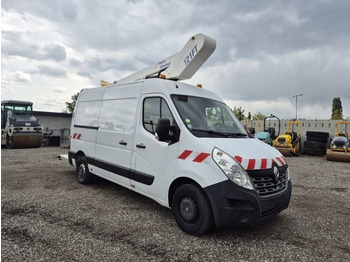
235 135
209 132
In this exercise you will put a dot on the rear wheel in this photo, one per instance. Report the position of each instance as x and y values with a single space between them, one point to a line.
83 174
192 210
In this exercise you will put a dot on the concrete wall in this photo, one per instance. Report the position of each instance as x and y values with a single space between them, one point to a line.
53 121
306 125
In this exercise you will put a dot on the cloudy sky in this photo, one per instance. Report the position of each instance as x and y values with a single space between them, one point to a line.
267 51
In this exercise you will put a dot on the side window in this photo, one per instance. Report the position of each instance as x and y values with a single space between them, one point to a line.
87 113
118 115
153 109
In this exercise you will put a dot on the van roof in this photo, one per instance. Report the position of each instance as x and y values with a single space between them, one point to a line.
153 85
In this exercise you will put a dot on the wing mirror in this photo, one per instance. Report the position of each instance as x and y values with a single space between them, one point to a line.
164 131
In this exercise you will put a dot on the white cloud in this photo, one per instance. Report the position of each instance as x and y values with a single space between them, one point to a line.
9 78
266 51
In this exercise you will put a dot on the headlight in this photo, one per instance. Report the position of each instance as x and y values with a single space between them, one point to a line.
232 169
288 174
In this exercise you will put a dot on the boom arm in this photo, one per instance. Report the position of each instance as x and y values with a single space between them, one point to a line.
180 66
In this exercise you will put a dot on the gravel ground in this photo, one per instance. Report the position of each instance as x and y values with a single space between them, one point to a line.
48 216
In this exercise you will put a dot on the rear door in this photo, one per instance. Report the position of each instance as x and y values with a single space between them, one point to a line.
153 161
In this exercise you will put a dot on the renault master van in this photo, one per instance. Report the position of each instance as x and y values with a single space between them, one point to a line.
181 146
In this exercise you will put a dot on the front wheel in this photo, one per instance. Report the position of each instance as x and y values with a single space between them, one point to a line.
83 174
192 210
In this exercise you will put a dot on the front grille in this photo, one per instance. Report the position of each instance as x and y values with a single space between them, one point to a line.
267 186
339 143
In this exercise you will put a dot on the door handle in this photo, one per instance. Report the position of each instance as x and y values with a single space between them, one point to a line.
122 142
140 145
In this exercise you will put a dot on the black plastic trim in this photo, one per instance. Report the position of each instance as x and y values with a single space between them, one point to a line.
118 170
87 127
234 206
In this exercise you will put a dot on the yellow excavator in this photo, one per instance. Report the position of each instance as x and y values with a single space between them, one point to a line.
289 143
339 149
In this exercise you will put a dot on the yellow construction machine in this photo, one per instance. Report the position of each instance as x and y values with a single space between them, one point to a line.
289 143
19 128
339 149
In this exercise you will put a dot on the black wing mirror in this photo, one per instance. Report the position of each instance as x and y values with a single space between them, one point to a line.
164 131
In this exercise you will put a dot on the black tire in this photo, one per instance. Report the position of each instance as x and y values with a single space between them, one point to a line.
314 148
317 139
83 174
317 136
314 144
309 151
320 151
192 210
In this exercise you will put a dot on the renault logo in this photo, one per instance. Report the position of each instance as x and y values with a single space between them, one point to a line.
276 173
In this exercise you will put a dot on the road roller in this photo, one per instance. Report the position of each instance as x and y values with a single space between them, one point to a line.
19 128
339 148
289 143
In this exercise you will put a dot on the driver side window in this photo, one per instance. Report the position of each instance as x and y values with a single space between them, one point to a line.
153 109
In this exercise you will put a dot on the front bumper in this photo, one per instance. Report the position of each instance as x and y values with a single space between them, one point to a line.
235 206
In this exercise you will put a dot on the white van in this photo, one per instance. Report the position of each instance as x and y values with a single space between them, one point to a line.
181 146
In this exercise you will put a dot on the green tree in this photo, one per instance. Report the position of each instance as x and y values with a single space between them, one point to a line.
70 105
259 116
337 109
238 112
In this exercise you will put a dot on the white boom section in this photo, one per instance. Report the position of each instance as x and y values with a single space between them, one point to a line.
182 65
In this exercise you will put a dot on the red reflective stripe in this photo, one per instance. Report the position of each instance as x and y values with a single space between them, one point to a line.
185 154
79 135
263 163
239 159
280 160
75 134
251 164
201 157
284 159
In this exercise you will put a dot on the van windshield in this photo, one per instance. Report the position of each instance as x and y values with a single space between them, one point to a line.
208 118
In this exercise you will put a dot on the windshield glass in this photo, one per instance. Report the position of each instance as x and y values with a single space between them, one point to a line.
19 109
207 118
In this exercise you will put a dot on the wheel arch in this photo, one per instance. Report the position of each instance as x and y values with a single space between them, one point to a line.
176 184
78 155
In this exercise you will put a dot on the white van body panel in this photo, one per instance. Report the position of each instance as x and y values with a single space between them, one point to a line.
87 109
195 160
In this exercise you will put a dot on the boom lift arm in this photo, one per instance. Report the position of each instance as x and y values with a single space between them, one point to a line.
180 66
